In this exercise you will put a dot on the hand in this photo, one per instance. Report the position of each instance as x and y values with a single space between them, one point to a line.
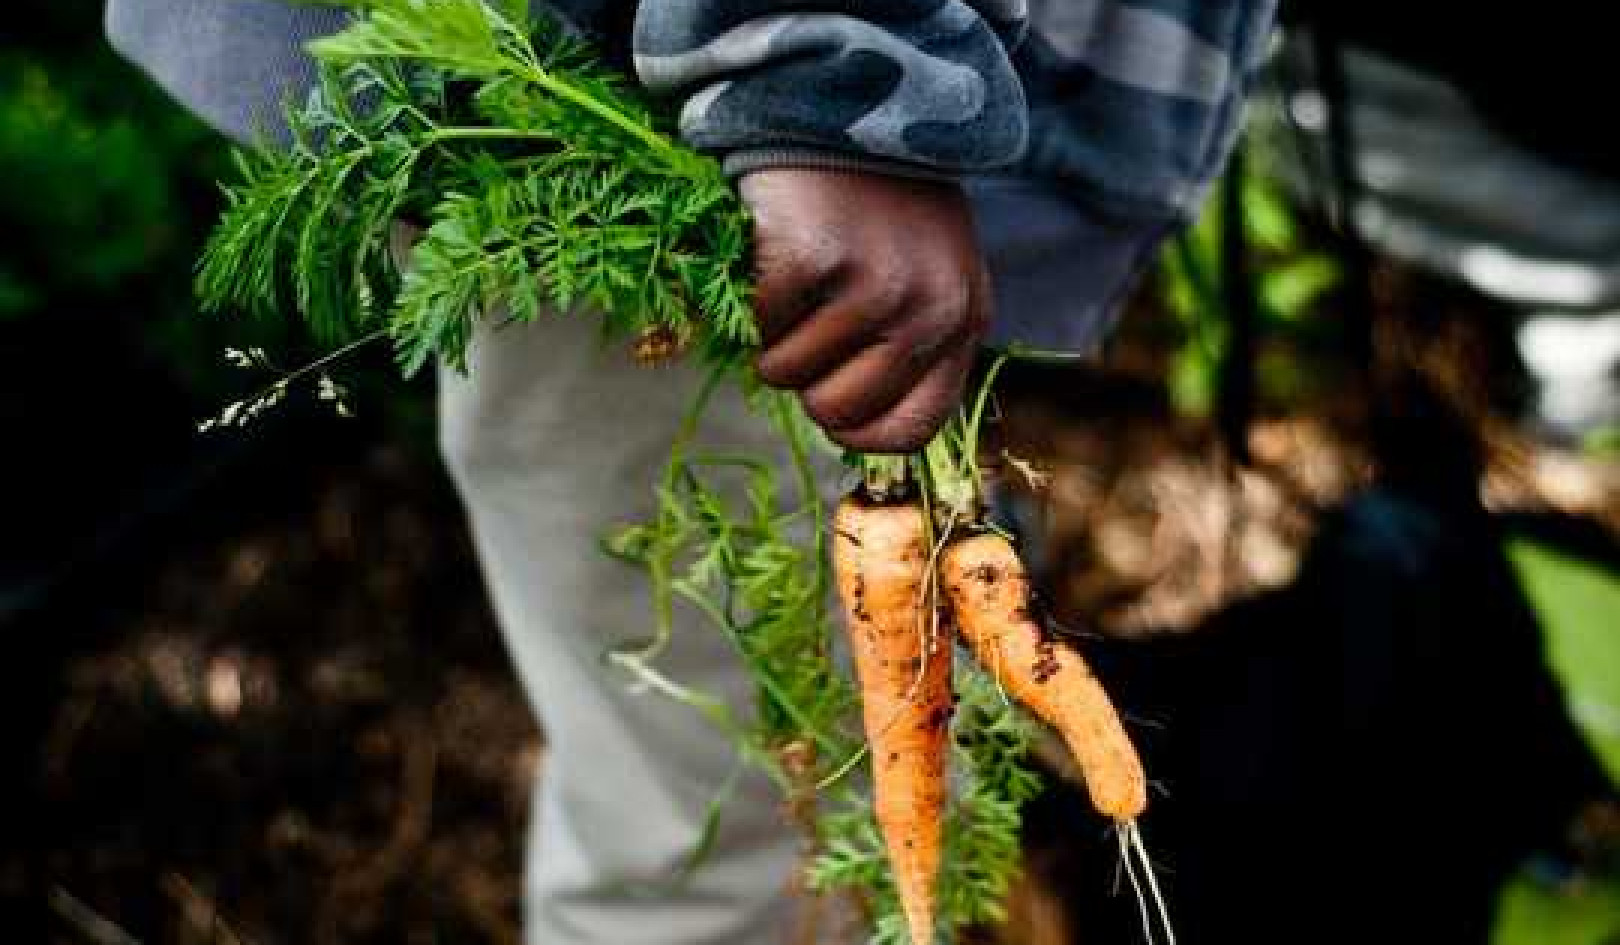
871 297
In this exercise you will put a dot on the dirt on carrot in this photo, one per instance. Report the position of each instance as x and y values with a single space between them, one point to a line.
988 590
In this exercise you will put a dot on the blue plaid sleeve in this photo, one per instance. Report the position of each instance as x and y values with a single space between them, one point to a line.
1135 104
924 86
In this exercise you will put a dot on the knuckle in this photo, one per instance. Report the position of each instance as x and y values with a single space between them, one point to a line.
891 436
850 441
947 298
773 370
884 289
802 265
902 430
939 305
829 411
931 333
908 433
819 407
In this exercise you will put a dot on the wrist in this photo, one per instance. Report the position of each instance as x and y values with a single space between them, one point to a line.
744 162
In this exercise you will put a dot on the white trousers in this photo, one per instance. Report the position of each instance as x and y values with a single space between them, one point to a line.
553 440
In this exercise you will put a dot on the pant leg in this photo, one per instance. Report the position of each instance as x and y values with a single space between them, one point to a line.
552 440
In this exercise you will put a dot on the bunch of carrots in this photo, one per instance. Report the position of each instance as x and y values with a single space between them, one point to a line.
544 182
917 565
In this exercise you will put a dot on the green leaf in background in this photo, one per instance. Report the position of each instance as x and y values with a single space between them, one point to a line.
1529 913
1290 280
1579 606
1289 289
1268 219
94 209
1602 443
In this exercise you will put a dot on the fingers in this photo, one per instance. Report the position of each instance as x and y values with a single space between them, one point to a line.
863 388
821 340
911 422
792 282
882 374
870 299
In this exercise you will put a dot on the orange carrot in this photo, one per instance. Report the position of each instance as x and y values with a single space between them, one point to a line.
988 591
881 559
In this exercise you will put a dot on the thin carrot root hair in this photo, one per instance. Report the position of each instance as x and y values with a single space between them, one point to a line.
1144 883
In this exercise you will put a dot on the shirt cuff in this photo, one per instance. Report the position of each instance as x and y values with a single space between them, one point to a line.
738 163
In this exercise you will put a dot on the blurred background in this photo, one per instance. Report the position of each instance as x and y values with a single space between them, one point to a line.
1338 511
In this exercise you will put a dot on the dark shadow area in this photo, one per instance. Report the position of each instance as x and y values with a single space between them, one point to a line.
251 674
1363 756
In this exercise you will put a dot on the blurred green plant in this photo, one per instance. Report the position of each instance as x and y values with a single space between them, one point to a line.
103 179
1576 601
1290 275
107 189
1602 443
91 197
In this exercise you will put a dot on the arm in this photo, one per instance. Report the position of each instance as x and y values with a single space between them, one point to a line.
871 290
850 125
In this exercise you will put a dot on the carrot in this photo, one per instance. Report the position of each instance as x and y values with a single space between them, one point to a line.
988 590
881 561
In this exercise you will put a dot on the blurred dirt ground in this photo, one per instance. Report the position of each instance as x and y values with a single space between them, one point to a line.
299 729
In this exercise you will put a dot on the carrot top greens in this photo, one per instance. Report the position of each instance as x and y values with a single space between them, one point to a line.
546 186
544 180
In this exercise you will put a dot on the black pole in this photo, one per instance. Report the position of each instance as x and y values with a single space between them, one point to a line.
1235 393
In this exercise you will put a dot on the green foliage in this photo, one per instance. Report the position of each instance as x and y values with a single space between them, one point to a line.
1530 913
1576 601
1290 279
100 204
729 540
543 182
544 186
1602 443
106 188
991 742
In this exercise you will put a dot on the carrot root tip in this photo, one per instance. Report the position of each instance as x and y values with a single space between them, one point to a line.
1144 883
